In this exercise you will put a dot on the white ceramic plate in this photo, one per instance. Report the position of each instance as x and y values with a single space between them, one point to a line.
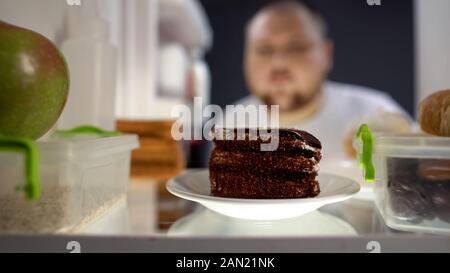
350 169
195 186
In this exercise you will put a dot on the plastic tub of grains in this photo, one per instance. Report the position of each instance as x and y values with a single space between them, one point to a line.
79 176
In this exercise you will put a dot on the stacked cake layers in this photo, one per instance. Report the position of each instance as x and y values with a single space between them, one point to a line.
239 169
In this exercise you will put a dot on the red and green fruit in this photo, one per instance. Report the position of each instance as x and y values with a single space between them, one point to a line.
34 82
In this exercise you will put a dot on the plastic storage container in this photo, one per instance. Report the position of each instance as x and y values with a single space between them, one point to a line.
92 62
79 178
412 176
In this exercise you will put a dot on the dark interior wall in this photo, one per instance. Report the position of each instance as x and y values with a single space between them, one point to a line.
374 45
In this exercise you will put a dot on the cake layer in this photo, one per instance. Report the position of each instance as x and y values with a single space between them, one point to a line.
289 140
248 185
239 168
262 162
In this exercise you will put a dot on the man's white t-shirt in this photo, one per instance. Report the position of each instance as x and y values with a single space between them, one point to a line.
342 105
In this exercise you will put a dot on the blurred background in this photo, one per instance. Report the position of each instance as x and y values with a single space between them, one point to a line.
168 51
374 46
132 61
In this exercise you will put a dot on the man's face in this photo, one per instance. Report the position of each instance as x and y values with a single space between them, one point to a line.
287 59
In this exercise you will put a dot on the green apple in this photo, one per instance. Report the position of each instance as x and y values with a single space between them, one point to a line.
34 82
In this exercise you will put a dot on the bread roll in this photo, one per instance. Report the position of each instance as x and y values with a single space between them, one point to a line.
434 114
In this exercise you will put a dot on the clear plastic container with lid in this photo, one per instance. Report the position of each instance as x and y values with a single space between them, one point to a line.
412 176
80 176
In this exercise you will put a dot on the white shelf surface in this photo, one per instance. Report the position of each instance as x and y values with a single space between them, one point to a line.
132 226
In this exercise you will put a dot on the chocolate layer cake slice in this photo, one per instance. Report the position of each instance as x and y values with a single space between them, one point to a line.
239 169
